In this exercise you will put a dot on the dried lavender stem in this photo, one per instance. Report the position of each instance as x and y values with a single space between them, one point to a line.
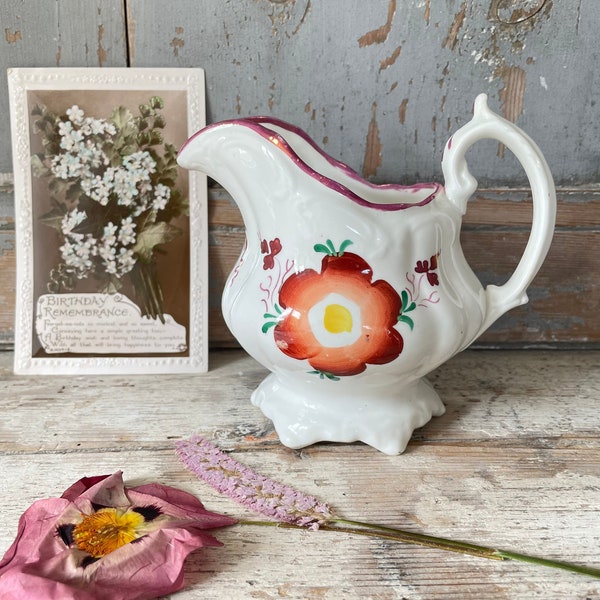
438 543
292 509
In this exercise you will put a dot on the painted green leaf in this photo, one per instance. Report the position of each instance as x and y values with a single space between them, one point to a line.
407 320
330 246
268 326
404 296
324 375
344 245
321 248
411 307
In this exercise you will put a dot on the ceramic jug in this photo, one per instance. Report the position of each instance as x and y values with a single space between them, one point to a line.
350 292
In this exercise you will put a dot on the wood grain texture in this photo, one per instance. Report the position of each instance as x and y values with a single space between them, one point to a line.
344 70
564 305
69 33
513 462
325 65
380 87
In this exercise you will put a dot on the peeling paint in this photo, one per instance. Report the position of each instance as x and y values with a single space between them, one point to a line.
451 39
130 33
238 104
271 100
427 14
303 18
379 35
309 109
101 51
373 150
283 15
513 91
390 60
58 56
11 38
402 110
511 94
177 42
508 14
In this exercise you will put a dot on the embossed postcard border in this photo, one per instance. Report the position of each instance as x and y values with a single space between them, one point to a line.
73 83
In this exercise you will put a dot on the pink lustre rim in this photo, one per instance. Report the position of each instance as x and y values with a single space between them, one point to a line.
258 125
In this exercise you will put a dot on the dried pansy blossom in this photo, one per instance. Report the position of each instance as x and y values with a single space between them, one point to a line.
103 541
288 507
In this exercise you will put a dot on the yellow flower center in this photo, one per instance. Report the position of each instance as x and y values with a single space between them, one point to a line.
337 318
106 530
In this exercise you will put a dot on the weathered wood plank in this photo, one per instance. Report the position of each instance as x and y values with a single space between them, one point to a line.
514 463
69 33
384 101
564 298
381 86
511 399
474 496
389 95
7 288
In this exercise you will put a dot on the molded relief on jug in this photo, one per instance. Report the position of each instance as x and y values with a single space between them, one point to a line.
351 292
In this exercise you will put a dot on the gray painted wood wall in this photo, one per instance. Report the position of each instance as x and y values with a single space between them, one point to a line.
379 85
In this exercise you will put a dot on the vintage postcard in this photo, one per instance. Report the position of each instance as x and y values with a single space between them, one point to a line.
111 233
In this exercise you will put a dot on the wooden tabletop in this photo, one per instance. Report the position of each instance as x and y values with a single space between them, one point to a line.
514 463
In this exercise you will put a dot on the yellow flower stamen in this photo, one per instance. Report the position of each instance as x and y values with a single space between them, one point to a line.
106 530
337 318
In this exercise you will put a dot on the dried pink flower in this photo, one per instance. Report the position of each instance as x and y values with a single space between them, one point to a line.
255 491
103 541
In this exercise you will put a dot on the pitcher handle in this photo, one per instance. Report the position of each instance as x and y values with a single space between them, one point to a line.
460 185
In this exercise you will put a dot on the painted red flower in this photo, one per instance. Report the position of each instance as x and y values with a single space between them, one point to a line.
339 319
103 541
271 249
428 267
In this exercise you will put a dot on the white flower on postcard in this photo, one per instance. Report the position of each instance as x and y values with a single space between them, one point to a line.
112 187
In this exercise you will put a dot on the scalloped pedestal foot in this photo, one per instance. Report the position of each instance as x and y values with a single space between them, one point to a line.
384 417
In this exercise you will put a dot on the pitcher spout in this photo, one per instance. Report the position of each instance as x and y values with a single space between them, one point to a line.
230 154
273 160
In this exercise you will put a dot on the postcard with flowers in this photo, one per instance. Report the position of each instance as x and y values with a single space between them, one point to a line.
111 233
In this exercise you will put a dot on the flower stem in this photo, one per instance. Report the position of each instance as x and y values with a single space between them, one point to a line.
398 535
148 288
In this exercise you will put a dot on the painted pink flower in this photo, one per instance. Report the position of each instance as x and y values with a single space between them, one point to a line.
103 541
